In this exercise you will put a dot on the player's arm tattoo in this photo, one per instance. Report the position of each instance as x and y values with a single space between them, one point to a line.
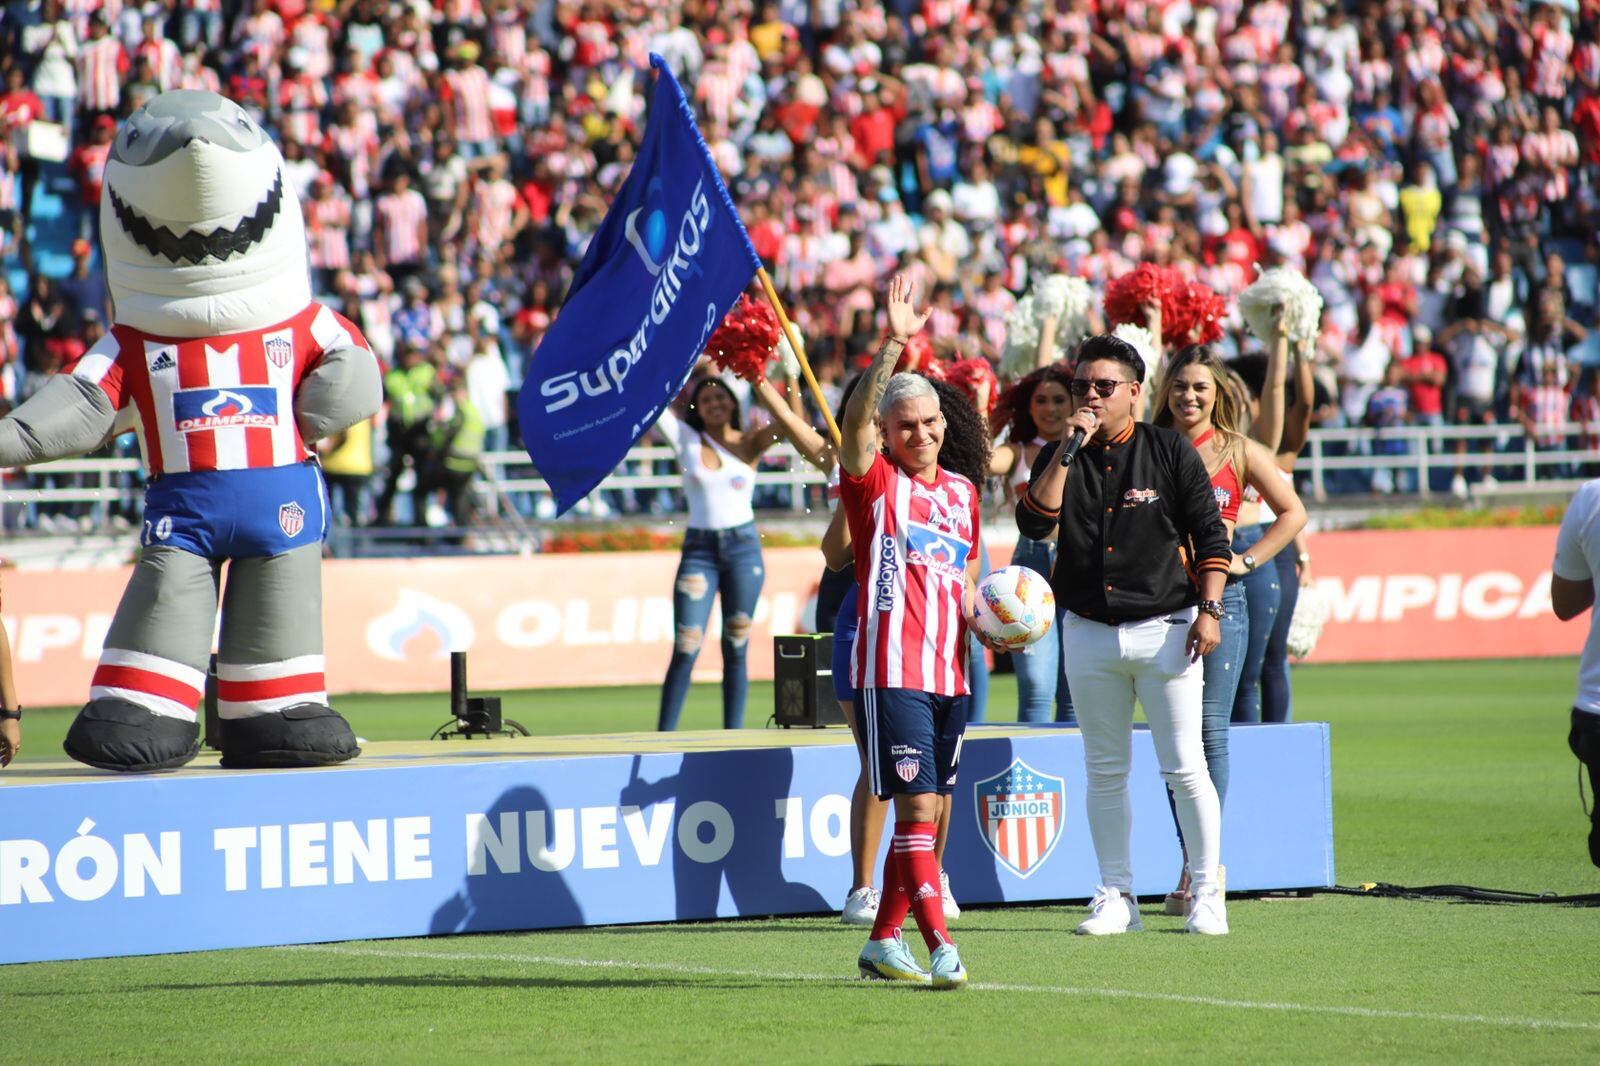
864 402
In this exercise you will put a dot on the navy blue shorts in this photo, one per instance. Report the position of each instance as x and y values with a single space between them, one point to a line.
913 740
237 514
845 623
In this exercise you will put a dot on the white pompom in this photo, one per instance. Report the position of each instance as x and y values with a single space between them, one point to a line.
1302 305
788 361
1305 625
1144 342
1022 339
1068 299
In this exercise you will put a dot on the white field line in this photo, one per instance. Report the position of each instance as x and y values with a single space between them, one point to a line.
1502 1021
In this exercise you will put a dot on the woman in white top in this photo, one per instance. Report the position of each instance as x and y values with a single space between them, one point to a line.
1033 411
721 548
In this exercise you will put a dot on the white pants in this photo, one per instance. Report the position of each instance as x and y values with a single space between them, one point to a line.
1107 667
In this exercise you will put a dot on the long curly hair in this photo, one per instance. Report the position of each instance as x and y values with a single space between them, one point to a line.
965 450
1012 408
1225 413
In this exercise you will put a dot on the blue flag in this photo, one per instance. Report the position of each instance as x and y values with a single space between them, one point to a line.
667 263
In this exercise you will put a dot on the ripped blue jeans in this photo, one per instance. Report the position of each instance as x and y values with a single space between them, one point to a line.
729 561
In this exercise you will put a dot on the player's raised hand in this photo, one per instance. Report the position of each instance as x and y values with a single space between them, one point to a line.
904 321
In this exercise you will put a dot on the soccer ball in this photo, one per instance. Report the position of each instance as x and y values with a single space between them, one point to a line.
1014 608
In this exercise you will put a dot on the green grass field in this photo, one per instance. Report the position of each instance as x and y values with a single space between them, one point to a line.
1443 772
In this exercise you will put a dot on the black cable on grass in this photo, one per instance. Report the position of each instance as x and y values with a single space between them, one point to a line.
1461 893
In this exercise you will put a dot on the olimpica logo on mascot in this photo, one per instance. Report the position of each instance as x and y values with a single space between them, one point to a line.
666 264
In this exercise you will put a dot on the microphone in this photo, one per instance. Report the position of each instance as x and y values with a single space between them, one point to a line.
1069 450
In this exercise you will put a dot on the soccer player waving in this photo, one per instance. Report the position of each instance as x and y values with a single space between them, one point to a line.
915 527
1140 569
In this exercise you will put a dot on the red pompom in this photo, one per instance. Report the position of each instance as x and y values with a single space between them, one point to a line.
1195 316
1191 313
1126 296
968 374
747 339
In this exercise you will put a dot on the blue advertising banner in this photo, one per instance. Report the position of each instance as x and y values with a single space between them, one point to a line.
667 263
407 845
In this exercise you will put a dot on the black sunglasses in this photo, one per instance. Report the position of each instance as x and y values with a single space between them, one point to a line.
1103 386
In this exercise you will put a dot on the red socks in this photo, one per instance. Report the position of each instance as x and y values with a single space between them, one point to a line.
911 883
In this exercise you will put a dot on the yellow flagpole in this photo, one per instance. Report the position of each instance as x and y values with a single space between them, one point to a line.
799 351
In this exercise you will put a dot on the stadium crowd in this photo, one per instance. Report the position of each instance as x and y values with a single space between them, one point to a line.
1432 167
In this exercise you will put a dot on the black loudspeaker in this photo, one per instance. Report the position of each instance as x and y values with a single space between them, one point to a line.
802 681
213 721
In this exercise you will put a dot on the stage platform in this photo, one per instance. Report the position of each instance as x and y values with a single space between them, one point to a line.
438 837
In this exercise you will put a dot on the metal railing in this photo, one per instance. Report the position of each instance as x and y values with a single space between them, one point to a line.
508 503
1422 455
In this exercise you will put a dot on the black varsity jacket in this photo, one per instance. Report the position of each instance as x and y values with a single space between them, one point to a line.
1137 522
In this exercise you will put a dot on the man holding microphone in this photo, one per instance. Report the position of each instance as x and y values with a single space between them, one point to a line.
1143 555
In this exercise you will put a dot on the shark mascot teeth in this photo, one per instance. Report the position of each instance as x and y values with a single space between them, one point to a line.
228 371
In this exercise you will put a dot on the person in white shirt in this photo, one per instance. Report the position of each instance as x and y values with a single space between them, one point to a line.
1572 585
488 383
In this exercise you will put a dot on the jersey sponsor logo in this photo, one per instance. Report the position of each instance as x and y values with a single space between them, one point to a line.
904 749
291 519
941 552
280 350
1135 497
907 769
1019 815
163 362
888 569
216 408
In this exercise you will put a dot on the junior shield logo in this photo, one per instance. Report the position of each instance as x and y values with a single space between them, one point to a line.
280 350
291 519
1019 815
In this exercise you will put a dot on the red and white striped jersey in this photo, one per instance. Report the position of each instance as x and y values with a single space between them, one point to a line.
404 217
101 65
508 38
468 91
165 60
912 543
494 209
328 231
302 99
215 403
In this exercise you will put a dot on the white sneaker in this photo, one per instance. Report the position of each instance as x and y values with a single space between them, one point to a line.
952 910
1111 912
860 907
1458 487
1208 913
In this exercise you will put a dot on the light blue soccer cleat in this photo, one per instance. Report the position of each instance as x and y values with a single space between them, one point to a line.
890 960
946 968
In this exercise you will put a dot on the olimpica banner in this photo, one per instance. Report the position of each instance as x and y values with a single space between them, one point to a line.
667 263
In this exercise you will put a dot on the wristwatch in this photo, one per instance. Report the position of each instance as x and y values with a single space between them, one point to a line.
1303 558
14 714
1211 607
1249 562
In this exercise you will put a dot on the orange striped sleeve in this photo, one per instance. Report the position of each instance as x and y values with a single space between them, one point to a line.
1027 500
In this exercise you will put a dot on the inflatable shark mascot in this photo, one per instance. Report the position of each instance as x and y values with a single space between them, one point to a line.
228 371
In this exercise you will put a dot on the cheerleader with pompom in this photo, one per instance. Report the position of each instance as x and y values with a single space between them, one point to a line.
1033 412
1281 313
721 547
